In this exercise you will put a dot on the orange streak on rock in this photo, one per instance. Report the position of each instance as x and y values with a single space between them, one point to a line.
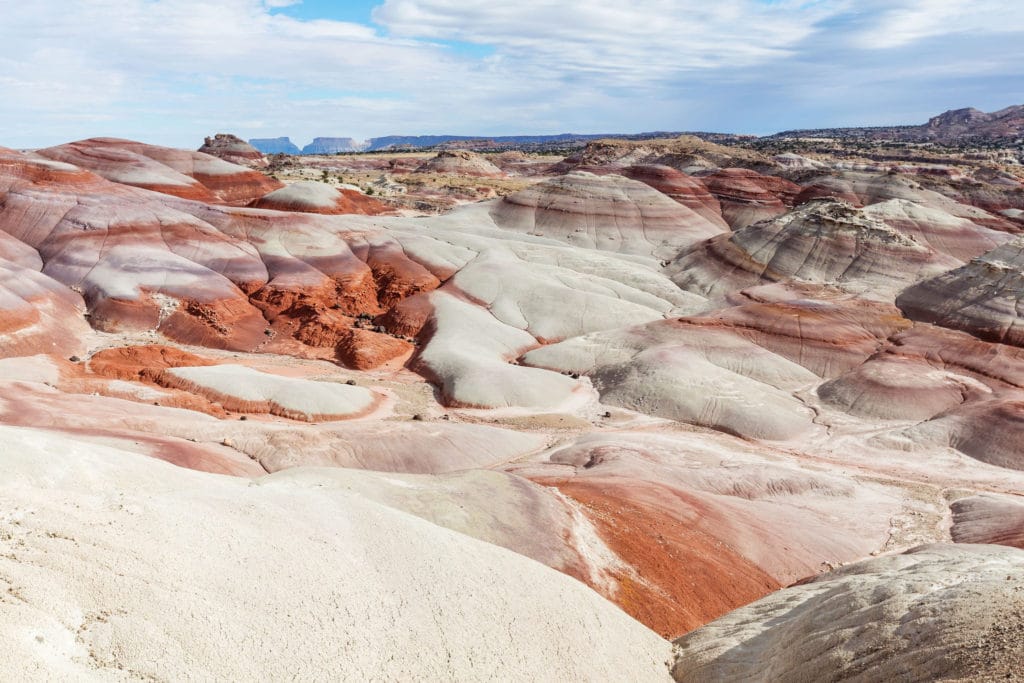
684 577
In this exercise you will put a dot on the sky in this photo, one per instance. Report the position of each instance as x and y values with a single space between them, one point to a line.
173 71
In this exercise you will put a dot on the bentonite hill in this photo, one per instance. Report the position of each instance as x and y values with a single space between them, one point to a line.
659 408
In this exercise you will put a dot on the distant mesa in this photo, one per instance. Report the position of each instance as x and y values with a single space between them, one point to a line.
676 149
334 146
275 146
233 149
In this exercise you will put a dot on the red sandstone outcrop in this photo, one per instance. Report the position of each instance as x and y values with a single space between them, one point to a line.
234 150
145 363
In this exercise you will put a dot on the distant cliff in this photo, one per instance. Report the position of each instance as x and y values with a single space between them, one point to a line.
333 146
275 146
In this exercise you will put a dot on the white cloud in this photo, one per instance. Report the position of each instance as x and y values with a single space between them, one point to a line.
906 22
632 42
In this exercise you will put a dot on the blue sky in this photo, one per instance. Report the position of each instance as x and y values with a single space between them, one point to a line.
173 71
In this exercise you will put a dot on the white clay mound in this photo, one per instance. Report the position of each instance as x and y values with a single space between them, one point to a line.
121 567
244 388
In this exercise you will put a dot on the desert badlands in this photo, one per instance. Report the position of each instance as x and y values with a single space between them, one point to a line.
639 410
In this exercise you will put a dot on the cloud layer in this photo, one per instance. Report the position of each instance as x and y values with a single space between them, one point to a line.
171 71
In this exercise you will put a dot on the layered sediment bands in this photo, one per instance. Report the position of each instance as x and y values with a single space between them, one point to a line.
747 197
925 612
234 150
138 262
708 376
310 267
947 234
397 276
822 242
986 428
989 518
190 175
688 191
461 163
998 366
609 213
828 337
990 432
894 388
864 188
967 392
410 316
121 413
983 297
314 197
38 314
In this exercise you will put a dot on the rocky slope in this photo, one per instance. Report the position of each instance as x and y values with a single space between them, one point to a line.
934 613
